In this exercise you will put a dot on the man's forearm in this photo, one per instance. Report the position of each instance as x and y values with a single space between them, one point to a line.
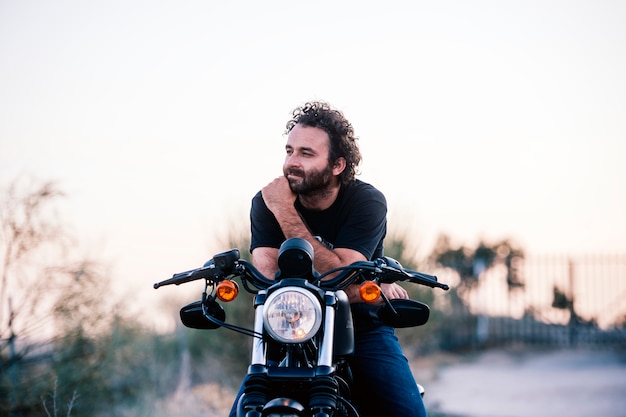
292 225
325 259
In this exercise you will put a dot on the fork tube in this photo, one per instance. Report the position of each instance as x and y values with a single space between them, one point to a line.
258 345
326 348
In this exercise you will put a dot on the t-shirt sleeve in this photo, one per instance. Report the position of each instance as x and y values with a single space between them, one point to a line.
265 230
366 225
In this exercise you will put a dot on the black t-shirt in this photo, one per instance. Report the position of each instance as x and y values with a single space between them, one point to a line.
356 220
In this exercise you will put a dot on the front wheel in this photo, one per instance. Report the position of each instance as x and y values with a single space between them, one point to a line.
283 407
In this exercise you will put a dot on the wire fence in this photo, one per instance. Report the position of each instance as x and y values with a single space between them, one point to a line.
563 300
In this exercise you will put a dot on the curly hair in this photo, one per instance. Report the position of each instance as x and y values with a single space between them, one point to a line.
342 140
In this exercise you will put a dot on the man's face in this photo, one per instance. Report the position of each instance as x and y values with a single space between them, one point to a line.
306 164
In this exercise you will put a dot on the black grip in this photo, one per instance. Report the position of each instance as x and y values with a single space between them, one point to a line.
208 271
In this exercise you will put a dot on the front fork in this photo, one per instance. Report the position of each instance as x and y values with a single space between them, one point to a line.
324 390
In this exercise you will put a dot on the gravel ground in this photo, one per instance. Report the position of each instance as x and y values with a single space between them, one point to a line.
495 383
522 383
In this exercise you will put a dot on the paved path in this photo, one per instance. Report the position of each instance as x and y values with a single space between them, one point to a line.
572 383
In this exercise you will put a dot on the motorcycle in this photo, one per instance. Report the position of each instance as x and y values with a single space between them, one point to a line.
303 330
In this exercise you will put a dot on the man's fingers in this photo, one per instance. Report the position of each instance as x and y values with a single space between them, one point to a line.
394 291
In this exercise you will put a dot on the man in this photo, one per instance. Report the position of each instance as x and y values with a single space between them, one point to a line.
319 199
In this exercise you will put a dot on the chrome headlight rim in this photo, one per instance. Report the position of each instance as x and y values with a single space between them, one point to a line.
298 291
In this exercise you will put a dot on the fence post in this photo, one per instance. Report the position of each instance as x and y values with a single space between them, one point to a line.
573 318
482 320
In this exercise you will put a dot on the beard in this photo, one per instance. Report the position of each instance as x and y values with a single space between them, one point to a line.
311 183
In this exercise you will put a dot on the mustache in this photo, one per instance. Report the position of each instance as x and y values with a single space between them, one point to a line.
294 171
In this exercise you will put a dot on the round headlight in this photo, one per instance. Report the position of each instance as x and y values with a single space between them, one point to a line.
292 315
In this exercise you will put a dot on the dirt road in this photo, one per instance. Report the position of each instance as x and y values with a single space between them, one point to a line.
573 383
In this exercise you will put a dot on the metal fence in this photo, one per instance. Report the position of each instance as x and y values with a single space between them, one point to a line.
564 300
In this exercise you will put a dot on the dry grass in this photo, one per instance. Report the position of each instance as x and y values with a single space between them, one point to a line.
207 400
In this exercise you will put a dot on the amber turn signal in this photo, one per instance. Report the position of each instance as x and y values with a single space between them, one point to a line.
369 291
227 290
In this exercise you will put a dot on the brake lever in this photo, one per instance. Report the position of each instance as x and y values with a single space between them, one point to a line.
205 272
425 279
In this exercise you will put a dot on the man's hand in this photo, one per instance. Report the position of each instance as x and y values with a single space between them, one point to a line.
393 291
278 196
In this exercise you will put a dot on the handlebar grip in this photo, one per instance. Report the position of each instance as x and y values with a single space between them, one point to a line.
422 275
425 279
207 271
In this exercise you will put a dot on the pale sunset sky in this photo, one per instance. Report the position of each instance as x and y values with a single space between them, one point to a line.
161 119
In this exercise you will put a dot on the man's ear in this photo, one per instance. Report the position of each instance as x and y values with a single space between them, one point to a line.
339 166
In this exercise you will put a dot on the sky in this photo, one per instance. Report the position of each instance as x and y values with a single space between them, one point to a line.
161 119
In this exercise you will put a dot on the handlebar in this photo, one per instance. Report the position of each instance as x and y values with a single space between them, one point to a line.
227 264
206 272
385 270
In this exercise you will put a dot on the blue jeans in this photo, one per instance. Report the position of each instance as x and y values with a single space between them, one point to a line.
383 382
384 385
